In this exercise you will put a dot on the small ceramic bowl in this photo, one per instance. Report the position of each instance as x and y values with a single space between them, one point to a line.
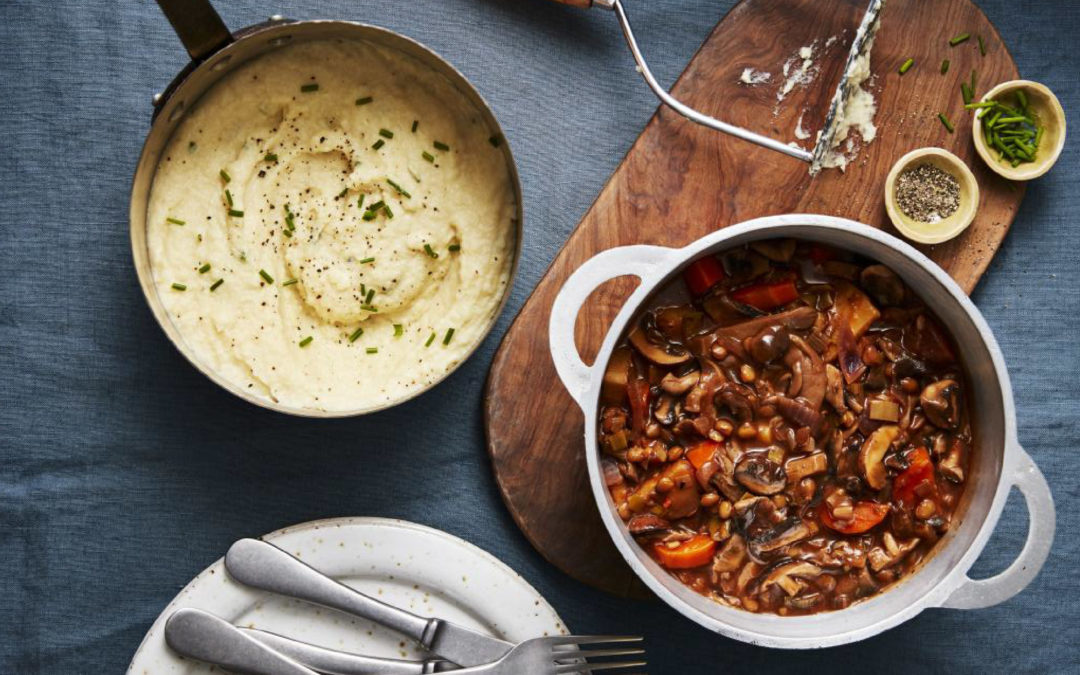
943 230
1048 113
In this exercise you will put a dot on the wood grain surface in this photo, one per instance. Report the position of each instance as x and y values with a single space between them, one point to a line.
681 181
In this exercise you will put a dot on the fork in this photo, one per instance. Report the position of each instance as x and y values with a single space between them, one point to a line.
203 636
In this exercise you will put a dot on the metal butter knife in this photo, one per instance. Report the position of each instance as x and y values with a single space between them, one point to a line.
200 635
335 662
264 566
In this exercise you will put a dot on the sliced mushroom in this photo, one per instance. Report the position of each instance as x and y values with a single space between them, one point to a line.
777 250
680 385
801 467
812 369
805 601
834 388
883 284
952 466
664 355
893 552
738 398
941 403
647 523
798 568
731 556
665 410
760 475
872 455
777 538
797 411
800 318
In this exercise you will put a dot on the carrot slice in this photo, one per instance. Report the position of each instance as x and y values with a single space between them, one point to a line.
867 515
694 552
703 274
702 452
920 469
767 296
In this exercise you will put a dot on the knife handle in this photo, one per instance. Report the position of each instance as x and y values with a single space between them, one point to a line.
335 662
266 567
200 635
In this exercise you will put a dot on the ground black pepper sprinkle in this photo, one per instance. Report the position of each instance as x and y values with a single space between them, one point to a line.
927 194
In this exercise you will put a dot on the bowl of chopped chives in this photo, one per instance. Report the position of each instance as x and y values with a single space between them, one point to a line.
931 195
1019 129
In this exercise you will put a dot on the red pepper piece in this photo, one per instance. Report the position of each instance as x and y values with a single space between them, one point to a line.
703 274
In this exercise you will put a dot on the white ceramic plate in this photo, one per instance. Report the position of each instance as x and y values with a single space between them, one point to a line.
420 569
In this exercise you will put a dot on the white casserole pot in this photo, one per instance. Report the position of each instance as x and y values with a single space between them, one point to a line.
998 463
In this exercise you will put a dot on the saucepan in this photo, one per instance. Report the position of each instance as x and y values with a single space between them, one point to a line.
215 53
998 465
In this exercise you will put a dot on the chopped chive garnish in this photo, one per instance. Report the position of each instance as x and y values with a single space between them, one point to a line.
287 233
972 85
308 88
360 202
367 260
236 214
946 122
430 251
228 197
343 193
982 46
401 191
959 39
945 66
364 101
386 133
399 330
270 157
266 276
415 125
449 336
428 157
306 341
225 175
175 221
370 215
907 66
369 308
378 144
179 286
1022 98
377 205
495 141
214 286
372 350
439 145
356 334
454 248
370 296
387 211
965 91
204 269
290 282
431 338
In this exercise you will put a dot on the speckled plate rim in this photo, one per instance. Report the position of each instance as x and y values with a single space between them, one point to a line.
524 613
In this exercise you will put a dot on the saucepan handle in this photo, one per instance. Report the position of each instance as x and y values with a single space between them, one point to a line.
638 261
978 593
198 26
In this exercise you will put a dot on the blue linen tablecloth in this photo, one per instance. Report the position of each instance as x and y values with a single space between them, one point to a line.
124 472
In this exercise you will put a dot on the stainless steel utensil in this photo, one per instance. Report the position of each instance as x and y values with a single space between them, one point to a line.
266 567
544 656
200 635
335 662
832 119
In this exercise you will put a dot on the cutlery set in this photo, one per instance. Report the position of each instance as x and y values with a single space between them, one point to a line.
203 636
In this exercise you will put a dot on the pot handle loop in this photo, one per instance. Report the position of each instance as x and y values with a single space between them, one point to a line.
979 593
638 261
198 26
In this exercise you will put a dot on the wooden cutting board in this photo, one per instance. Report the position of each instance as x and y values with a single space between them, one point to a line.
681 181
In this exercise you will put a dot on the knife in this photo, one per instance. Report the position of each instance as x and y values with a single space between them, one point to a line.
200 635
264 566
335 662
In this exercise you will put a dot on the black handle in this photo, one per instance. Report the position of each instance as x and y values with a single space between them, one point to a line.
198 26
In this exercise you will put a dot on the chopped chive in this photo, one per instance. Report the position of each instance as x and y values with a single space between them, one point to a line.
372 350
495 141
454 248
225 175
428 157
175 221
399 330
360 202
982 46
431 338
369 308
214 286
308 88
287 232
306 341
343 192
972 85
290 282
378 144
401 191
906 66
364 101
266 276
204 269
1038 136
370 215
387 211
945 66
1022 98
270 157
377 205
363 289
449 336
439 145
946 122
415 125
965 91
180 287
430 251
386 133
356 334
979 104
1010 120
236 214
370 296
367 260
228 197
959 39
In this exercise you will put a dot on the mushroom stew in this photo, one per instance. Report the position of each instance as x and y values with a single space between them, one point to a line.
786 429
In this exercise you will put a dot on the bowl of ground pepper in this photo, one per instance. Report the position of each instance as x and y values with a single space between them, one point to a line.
931 196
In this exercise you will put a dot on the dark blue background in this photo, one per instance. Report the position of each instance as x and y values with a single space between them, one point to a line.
124 472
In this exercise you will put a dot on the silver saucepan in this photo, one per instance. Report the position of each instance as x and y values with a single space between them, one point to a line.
998 464
216 52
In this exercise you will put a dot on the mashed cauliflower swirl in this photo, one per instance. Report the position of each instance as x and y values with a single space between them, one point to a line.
331 227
